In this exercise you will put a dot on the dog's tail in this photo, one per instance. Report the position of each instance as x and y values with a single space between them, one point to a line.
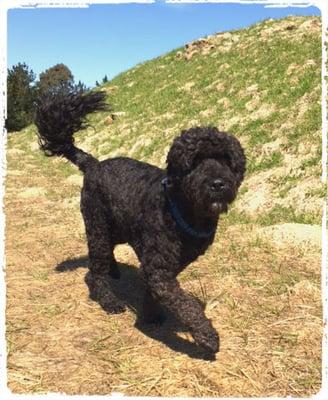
58 116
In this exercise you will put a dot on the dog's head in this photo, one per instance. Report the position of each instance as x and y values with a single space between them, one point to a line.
205 168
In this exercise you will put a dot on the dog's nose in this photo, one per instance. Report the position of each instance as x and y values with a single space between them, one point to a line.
218 185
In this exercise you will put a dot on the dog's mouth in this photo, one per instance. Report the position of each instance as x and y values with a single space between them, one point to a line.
218 207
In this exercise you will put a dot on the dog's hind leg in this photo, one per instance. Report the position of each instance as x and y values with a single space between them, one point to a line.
102 264
100 241
101 251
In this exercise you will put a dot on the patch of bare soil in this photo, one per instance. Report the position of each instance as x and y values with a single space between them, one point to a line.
223 42
301 234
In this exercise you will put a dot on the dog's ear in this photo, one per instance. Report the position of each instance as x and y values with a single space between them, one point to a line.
196 144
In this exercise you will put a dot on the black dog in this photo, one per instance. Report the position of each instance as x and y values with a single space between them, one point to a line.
169 216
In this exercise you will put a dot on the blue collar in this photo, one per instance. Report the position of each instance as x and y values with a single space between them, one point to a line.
183 225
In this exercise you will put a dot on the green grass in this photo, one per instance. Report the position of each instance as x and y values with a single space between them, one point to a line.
279 214
272 161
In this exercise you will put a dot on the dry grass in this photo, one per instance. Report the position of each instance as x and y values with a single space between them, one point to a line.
264 300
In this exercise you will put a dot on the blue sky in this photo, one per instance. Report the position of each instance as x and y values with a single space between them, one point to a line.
111 38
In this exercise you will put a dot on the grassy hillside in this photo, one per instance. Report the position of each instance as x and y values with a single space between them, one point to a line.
262 84
261 278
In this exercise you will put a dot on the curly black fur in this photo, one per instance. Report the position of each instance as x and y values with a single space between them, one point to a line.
124 201
59 115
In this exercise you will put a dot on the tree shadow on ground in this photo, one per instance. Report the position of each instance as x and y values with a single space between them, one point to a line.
129 290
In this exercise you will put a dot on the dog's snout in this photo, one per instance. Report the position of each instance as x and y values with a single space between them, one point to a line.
218 185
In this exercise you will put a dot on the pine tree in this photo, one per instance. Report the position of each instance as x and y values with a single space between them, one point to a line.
80 87
20 97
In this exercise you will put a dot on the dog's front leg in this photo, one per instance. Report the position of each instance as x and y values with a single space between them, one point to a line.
165 288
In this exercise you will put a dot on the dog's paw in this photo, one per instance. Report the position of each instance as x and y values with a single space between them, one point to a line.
111 304
208 339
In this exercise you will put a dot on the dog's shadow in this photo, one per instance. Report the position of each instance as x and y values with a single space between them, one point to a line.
129 290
